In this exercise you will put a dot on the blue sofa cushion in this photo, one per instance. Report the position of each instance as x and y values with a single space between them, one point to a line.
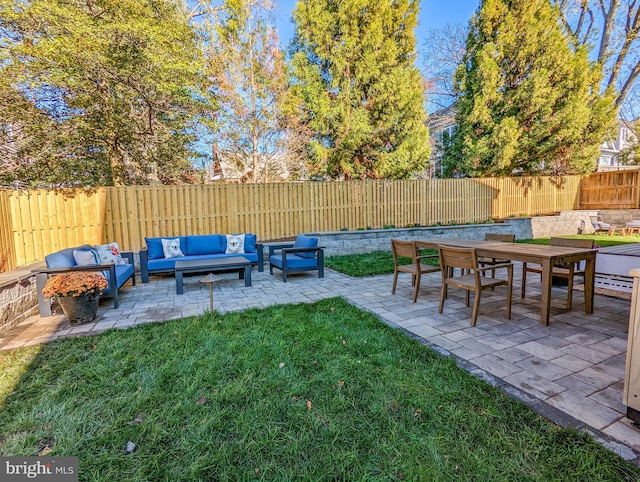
154 246
123 272
163 264
293 261
303 241
250 243
64 258
205 244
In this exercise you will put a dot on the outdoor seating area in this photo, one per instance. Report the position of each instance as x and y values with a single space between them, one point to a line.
599 226
570 371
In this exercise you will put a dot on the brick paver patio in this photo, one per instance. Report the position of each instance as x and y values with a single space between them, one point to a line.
570 372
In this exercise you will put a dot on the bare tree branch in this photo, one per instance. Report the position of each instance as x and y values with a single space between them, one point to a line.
443 52
631 27
613 26
628 85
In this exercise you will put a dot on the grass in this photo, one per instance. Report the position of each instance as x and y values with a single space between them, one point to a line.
318 391
370 264
381 262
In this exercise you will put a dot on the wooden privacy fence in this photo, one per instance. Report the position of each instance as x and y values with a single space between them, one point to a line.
36 223
611 190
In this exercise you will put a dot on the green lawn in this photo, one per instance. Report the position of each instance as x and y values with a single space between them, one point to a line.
370 264
381 262
318 391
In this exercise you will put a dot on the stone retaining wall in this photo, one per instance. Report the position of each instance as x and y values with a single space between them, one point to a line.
618 217
365 241
18 301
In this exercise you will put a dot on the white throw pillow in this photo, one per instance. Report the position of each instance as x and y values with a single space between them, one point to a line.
109 254
171 248
85 257
235 244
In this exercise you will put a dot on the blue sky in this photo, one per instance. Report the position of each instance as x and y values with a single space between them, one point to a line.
433 14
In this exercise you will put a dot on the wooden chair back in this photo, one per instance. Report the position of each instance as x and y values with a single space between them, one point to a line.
455 257
403 248
409 249
572 243
505 238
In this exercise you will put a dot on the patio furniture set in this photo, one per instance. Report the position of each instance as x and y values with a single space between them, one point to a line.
477 260
179 256
628 229
565 258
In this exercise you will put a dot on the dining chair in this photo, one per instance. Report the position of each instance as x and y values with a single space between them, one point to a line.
504 238
567 271
416 268
466 259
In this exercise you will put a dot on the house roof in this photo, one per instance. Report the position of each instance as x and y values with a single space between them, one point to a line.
442 119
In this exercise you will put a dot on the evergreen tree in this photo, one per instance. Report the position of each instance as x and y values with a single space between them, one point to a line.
527 104
362 97
97 92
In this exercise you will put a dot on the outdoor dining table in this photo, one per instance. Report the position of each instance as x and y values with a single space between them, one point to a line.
546 256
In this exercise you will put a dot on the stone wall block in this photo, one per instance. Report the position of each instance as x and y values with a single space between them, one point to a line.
18 301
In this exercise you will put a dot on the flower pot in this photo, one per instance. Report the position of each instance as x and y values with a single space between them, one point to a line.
80 309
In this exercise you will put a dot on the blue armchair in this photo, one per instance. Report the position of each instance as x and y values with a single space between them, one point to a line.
302 255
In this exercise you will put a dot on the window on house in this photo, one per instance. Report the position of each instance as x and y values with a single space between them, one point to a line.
605 161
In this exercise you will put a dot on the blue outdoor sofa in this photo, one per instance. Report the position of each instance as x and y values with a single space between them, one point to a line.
63 261
208 246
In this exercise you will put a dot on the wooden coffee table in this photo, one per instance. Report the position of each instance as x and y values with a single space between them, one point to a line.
236 263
